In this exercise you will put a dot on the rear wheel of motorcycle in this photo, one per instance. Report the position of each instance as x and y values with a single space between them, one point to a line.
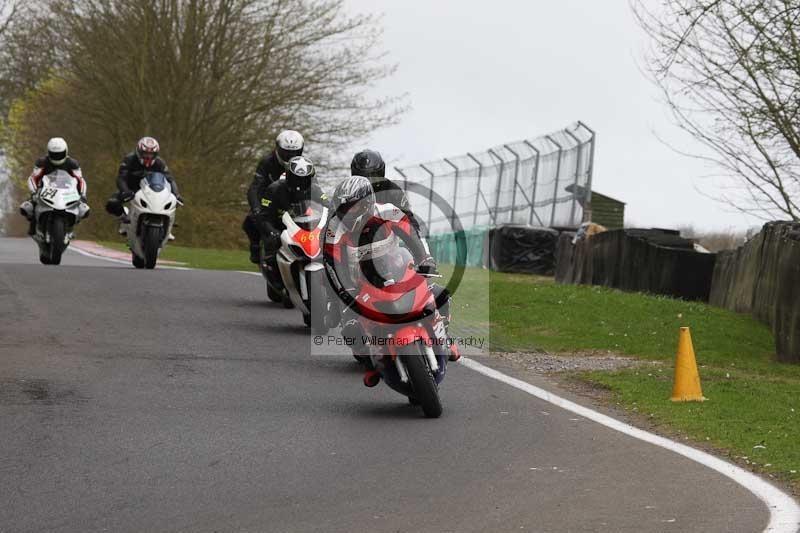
317 302
426 393
137 261
57 230
152 242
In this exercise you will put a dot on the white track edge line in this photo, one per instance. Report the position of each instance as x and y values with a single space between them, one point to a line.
784 512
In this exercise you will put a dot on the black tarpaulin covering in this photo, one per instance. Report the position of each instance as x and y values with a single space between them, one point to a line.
647 260
762 277
527 249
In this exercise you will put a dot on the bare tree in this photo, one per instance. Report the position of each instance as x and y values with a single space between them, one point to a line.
730 72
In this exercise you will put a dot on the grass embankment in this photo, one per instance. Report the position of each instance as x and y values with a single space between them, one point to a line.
754 406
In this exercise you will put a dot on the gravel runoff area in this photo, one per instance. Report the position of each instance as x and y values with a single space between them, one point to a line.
545 363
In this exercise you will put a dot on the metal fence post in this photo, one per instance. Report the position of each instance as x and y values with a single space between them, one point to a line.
405 179
455 192
516 182
499 184
478 194
535 180
590 172
579 146
558 174
430 197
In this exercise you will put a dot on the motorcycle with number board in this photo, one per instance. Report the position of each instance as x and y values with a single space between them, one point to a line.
57 209
300 265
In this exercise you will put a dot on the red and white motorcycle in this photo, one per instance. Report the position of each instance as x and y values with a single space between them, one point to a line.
300 264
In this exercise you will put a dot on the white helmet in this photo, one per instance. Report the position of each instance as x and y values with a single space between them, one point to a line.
57 150
289 144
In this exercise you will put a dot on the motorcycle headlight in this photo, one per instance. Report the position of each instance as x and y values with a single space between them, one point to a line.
167 205
142 203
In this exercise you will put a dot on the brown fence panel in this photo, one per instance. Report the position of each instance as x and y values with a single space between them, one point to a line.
762 277
654 261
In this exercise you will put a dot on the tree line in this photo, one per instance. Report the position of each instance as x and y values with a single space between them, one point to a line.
213 80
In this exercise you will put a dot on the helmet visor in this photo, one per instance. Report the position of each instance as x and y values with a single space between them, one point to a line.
147 158
285 155
352 213
57 157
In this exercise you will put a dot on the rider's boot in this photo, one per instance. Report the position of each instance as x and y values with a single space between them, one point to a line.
455 353
123 224
255 253
371 378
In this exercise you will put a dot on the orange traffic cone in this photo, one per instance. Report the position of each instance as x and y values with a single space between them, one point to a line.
686 387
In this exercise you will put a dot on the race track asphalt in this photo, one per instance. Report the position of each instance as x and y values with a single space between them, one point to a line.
172 400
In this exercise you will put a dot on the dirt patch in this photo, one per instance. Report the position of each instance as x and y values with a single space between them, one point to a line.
546 363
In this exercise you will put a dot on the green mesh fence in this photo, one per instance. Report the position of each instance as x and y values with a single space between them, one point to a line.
443 246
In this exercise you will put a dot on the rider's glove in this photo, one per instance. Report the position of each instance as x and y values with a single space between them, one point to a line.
427 266
180 199
126 196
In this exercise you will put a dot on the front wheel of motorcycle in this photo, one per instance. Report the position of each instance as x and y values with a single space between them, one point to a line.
317 302
151 244
137 261
57 228
426 393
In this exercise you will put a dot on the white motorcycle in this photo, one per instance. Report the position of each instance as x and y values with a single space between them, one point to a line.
151 214
57 208
300 264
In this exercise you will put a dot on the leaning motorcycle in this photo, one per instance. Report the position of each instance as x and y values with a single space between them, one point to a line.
57 208
151 215
303 282
406 333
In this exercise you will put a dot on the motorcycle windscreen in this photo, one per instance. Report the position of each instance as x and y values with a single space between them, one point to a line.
59 180
306 214
156 181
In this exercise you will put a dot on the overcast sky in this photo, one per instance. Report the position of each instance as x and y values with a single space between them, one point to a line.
479 74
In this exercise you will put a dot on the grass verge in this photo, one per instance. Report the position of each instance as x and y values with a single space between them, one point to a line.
753 412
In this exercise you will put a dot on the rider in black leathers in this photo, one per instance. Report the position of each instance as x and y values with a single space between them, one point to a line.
289 144
300 185
131 171
370 164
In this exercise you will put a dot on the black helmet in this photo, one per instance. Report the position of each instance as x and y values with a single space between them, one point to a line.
353 198
300 173
368 163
